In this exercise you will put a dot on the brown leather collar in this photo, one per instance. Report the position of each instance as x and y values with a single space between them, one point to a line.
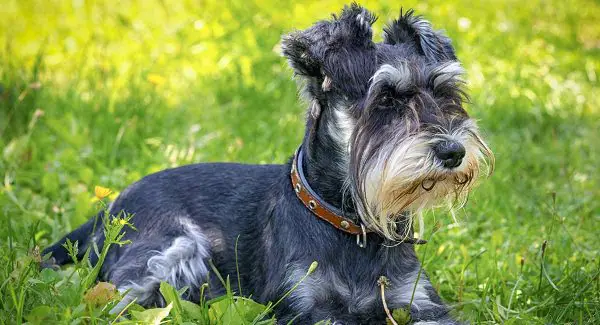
326 211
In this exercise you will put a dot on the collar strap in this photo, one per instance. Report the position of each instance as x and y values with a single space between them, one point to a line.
318 206
327 212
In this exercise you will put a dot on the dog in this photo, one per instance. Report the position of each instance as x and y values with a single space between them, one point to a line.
386 137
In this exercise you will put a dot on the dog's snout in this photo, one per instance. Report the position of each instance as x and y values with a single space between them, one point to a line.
450 153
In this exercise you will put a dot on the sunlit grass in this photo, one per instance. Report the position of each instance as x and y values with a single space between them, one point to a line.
107 92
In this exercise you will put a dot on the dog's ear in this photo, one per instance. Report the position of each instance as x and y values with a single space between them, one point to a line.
410 28
296 47
337 54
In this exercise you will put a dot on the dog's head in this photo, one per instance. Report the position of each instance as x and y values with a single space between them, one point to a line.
394 111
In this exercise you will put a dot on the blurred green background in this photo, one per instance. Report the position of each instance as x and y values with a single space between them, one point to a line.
105 92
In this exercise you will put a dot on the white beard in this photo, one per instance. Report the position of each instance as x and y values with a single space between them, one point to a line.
407 179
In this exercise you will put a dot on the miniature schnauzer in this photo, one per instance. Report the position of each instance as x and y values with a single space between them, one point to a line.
386 137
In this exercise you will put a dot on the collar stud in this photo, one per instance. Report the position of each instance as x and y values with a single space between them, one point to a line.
344 224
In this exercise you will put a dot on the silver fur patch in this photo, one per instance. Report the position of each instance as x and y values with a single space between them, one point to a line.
446 72
326 86
303 298
398 76
315 109
319 286
341 127
181 264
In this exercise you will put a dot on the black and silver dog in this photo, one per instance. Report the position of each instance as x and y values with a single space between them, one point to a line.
386 137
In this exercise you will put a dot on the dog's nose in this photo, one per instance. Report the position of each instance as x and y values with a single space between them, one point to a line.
450 153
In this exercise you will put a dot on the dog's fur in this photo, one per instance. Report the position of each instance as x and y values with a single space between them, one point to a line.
376 113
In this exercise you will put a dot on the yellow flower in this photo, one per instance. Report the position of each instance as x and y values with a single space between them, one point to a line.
123 221
156 79
101 192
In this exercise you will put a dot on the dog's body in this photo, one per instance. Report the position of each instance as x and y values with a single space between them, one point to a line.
378 115
193 213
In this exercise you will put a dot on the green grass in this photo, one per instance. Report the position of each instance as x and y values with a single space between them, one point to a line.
104 93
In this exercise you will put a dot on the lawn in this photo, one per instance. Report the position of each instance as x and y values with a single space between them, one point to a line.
105 92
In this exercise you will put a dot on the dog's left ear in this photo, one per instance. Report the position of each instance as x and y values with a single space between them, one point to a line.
337 54
409 28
